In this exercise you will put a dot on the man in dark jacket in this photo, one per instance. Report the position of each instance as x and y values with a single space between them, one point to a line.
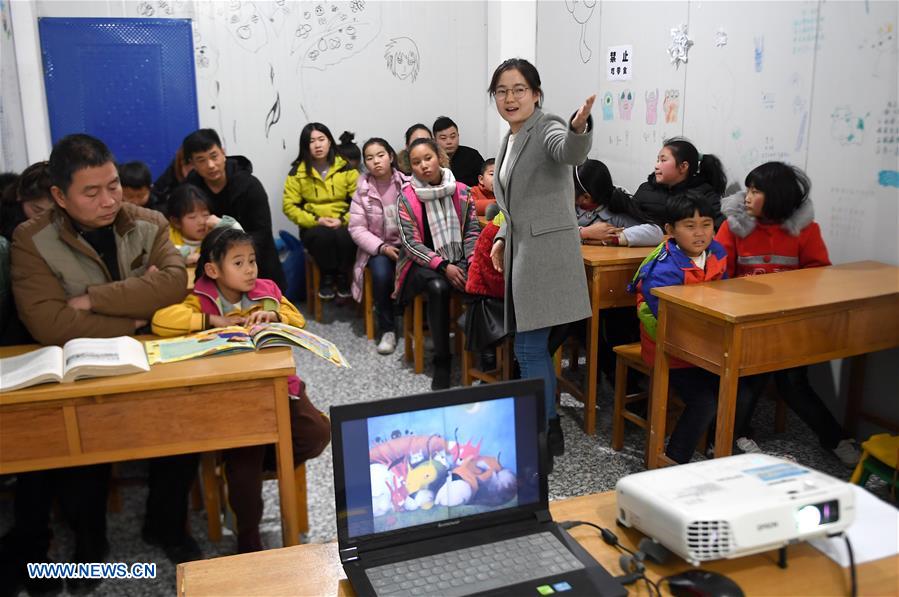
465 162
235 192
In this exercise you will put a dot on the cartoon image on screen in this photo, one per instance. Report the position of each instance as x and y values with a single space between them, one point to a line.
442 463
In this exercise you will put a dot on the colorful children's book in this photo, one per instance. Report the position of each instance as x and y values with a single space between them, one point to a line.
80 358
237 339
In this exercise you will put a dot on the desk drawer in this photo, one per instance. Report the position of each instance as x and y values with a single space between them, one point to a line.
205 413
32 434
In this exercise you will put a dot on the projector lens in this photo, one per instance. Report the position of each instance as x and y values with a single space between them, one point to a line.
807 518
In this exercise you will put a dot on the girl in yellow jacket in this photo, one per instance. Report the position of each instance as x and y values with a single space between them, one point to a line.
317 196
227 292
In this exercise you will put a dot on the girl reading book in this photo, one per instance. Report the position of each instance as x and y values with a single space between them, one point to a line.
227 292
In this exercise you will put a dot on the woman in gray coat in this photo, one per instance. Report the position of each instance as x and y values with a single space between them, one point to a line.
538 248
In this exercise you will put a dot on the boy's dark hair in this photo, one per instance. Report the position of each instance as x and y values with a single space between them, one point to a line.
417 127
135 175
347 149
685 205
216 244
199 141
706 166
785 187
305 138
34 183
73 153
385 145
429 142
185 199
487 162
442 123
527 70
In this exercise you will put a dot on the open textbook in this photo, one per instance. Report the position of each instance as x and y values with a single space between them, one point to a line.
77 359
236 339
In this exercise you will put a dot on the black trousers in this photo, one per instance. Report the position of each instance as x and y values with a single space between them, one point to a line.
332 249
82 493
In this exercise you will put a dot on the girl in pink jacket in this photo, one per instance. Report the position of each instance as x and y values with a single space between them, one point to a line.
374 228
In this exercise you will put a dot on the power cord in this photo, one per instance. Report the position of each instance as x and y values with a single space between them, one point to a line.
852 573
631 562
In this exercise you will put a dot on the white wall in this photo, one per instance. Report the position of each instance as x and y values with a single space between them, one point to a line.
821 61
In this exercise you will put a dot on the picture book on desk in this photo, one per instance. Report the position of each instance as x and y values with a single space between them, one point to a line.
80 358
233 339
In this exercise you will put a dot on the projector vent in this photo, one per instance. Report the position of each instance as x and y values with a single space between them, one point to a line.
709 539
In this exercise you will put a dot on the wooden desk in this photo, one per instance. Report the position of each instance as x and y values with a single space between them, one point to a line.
176 408
609 271
766 323
316 570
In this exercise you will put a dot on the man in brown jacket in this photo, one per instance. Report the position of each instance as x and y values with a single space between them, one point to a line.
95 267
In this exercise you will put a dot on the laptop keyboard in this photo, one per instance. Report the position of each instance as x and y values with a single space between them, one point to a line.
476 569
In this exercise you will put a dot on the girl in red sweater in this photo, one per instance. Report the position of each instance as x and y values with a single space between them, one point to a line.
770 228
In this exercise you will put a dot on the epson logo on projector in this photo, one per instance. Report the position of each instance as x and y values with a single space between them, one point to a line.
766 525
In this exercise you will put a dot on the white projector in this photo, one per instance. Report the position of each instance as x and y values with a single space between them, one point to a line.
735 506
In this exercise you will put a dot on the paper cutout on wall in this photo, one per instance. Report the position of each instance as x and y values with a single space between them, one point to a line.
680 45
888 178
620 63
720 38
845 127
758 52
625 104
607 107
652 106
581 11
671 104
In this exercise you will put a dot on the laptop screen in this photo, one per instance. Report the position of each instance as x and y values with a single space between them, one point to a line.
437 459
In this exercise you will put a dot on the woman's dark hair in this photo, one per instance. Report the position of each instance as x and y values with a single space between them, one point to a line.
347 149
527 70
185 199
706 166
594 177
216 245
305 138
417 127
785 187
34 183
683 205
385 145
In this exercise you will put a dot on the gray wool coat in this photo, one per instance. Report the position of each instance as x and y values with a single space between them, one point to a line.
543 267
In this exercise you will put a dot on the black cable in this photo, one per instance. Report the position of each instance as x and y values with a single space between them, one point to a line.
608 536
851 565
612 539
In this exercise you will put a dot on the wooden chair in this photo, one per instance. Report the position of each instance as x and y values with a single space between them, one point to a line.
628 357
502 372
414 329
368 304
214 490
313 284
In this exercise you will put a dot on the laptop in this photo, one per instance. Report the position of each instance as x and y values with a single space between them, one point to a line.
446 494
